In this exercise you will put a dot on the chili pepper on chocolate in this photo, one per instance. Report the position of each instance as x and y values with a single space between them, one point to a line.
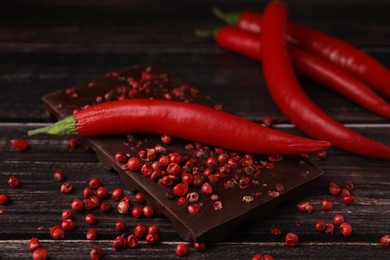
249 44
340 53
183 120
291 98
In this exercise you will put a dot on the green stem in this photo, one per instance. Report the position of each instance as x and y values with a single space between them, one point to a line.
229 18
66 126
204 34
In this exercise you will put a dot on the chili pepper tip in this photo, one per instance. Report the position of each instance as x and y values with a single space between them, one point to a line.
66 126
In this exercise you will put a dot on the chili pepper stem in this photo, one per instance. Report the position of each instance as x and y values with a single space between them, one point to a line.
228 18
66 126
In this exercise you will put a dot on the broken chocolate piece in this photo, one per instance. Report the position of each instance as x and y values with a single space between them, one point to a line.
223 193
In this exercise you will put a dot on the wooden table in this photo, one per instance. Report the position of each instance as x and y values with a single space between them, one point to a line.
49 45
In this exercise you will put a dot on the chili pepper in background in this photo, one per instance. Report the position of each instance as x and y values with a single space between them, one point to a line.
293 101
183 120
342 54
249 44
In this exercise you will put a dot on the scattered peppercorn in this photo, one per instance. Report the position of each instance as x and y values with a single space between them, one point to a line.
305 206
132 241
96 253
120 226
19 144
327 204
345 229
181 249
94 183
199 246
57 232
338 219
73 143
92 234
68 224
4 198
319 226
34 244
385 240
119 242
40 254
59 176
91 219
14 182
291 239
66 187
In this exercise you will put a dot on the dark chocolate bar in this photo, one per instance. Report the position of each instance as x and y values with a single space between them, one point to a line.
244 188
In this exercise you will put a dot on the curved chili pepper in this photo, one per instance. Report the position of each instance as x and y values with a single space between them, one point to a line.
249 44
188 121
291 98
338 52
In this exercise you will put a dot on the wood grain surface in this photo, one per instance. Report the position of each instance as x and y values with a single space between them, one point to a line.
49 45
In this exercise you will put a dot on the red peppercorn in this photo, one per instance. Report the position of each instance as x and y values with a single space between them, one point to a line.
334 189
137 212
182 201
59 176
349 185
92 234
291 239
140 230
66 187
151 154
77 205
132 241
68 224
40 254
338 219
102 192
13 182
166 139
276 231
57 232
173 169
90 219
268 121
123 206
4 198
73 143
199 246
147 170
329 228
181 249
88 192
187 178
348 200
96 253
120 226
194 209
120 157
385 240
117 194
119 242
19 144
148 211
207 188
89 204
166 181
305 206
105 206
180 189
133 164
66 214
34 244
327 204
164 160
139 198
151 239
153 229
345 192
345 229
319 226
94 183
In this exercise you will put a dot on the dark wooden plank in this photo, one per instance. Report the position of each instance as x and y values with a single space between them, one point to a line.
25 77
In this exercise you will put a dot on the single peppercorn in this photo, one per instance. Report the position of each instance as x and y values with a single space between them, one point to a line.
338 219
91 219
194 209
14 182
66 214
66 188
77 205
151 239
4 198
40 254
140 198
120 157
96 253
305 206
180 189
319 226
123 206
94 183
19 144
199 246
327 204
132 241
181 249
102 192
345 229
329 228
291 239
92 234
348 200
334 189
59 176
120 226
133 164
105 206
73 143
34 244
153 229
117 194
57 232
119 242
137 212
68 224
148 211
385 240
140 230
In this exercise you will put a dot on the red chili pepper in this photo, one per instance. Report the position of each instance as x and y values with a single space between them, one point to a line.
291 98
336 51
188 121
249 44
